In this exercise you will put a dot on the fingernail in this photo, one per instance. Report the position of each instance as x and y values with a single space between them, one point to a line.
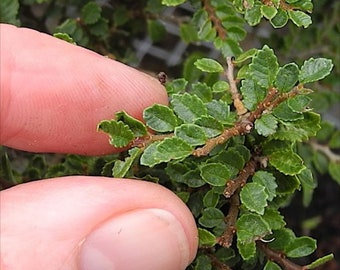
150 239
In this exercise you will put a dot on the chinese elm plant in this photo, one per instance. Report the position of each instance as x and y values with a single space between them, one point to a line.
228 147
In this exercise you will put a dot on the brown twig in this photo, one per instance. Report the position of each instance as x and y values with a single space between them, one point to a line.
220 29
278 257
234 184
235 95
226 239
266 104
144 141
217 263
232 191
210 144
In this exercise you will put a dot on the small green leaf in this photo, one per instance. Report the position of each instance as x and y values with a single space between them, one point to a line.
203 262
160 118
315 70
210 125
6 171
136 126
247 250
250 227
334 142
245 56
65 37
74 30
206 238
254 197
188 107
320 261
286 185
266 125
156 30
326 131
207 31
231 157
300 18
220 86
299 103
176 171
268 12
188 32
334 170
193 178
287 77
164 151
220 111
208 65
271 266
90 13
120 15
172 2
285 113
282 238
119 133
202 90
176 86
320 162
267 180
215 174
122 167
228 47
299 130
274 219
287 162
183 195
264 67
211 217
253 15
300 247
243 151
280 19
191 133
252 93
149 156
308 183
211 199
9 11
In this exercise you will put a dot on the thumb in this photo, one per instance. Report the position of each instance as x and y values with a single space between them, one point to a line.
95 223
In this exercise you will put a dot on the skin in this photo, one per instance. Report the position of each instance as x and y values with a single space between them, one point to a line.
53 94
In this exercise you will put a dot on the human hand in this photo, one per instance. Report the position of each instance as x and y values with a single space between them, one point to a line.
53 94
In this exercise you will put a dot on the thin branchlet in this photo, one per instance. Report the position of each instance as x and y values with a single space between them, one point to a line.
235 95
226 239
278 257
217 23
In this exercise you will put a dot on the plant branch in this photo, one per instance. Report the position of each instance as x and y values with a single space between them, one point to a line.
226 239
235 95
326 151
245 125
232 191
278 257
234 184
144 141
220 29
217 263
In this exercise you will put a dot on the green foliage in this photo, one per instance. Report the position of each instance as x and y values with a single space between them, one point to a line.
8 11
235 168
197 119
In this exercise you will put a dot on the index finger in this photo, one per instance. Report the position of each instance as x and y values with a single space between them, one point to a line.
53 94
